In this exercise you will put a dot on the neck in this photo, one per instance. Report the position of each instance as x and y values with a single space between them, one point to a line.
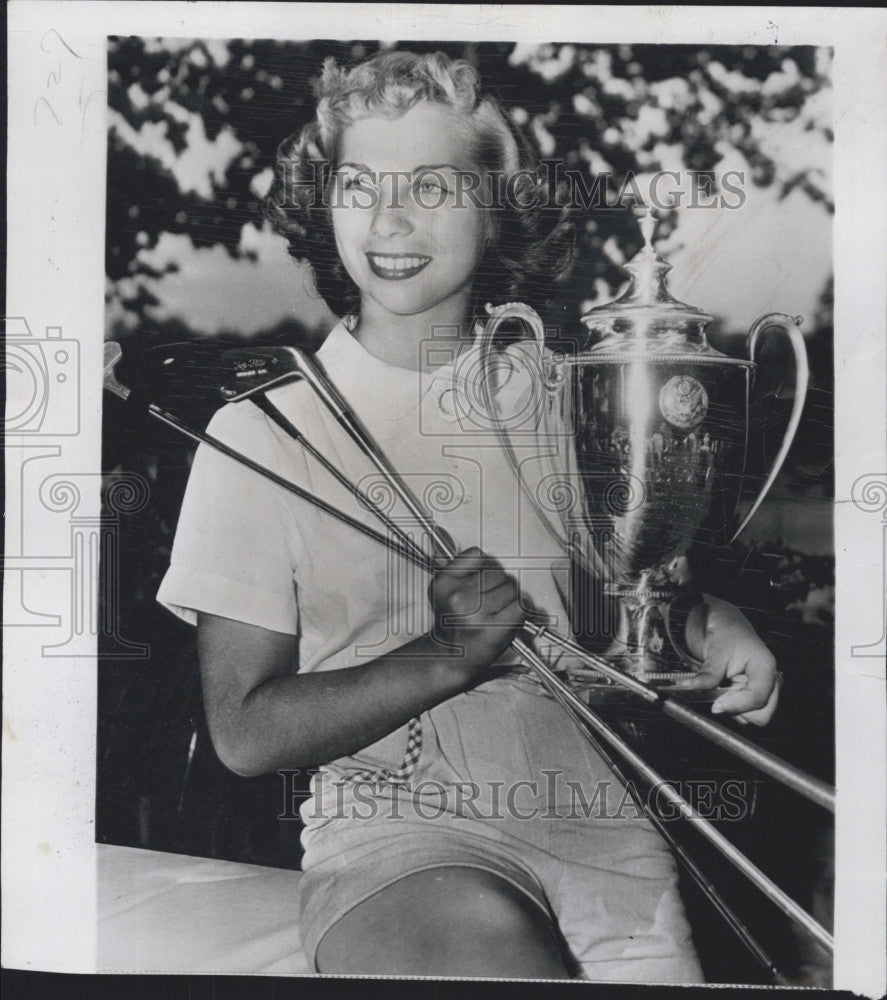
404 341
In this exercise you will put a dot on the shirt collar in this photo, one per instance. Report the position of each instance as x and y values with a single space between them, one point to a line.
383 393
349 362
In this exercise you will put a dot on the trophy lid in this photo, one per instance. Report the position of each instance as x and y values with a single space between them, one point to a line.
647 309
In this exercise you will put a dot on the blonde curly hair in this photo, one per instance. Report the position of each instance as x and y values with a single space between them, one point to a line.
530 246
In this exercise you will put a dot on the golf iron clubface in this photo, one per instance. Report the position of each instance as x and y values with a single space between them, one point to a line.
246 371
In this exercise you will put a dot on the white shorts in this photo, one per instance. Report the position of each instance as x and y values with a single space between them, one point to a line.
504 782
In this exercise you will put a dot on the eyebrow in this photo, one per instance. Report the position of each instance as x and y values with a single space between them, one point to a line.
415 170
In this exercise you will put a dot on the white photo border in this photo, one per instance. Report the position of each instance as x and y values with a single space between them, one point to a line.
55 278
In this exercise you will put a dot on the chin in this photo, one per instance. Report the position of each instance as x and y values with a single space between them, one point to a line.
405 306
408 301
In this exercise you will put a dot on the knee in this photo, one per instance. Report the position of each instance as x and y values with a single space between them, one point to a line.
445 922
487 927
475 902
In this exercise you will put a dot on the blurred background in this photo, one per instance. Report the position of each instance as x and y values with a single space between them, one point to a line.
193 130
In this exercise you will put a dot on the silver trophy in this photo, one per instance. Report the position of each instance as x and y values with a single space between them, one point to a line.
641 439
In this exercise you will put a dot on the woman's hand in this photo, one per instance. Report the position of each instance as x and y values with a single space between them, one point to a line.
264 715
731 650
476 610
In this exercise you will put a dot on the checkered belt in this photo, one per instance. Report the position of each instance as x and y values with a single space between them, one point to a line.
402 774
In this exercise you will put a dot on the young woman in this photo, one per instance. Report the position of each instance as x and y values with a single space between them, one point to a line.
442 836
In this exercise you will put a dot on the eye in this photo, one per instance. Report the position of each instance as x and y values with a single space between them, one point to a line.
355 182
431 184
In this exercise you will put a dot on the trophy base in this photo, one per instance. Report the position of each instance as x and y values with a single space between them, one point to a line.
660 674
601 691
649 643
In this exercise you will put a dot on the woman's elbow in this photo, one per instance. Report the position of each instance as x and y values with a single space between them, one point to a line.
242 766
237 663
236 751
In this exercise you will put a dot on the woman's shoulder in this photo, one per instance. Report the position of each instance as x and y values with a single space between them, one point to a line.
238 420
245 419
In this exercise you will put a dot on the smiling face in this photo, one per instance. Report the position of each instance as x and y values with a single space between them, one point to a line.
407 234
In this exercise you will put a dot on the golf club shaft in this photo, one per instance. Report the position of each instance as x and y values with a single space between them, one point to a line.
261 400
171 420
781 899
705 885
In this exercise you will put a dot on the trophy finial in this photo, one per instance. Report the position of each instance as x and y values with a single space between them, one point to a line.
647 302
647 221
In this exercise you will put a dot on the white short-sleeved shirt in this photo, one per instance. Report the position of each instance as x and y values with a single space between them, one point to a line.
248 550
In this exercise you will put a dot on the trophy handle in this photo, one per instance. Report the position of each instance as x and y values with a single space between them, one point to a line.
550 380
550 377
516 310
789 325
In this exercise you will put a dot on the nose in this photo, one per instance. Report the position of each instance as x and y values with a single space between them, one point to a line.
392 214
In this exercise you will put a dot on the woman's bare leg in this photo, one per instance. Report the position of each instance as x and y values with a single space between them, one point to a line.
445 922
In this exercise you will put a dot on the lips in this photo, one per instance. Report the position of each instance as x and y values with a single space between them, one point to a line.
396 266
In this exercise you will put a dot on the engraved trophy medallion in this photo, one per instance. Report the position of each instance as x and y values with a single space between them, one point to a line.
641 441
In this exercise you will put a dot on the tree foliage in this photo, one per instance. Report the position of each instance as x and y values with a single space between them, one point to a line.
624 110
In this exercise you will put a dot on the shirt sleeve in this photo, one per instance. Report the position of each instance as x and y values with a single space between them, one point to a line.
233 550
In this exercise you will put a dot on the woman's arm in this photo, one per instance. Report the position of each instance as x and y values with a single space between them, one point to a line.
262 716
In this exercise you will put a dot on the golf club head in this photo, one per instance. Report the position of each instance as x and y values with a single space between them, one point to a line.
113 352
184 376
246 371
